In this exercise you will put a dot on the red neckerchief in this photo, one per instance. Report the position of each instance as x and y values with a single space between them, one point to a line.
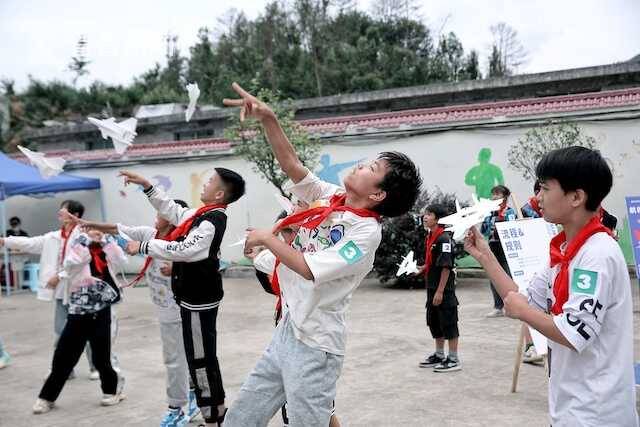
533 202
147 263
431 238
65 240
311 218
561 283
180 231
184 227
503 209
96 256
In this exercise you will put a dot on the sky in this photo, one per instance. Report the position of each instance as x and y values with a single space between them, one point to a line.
125 38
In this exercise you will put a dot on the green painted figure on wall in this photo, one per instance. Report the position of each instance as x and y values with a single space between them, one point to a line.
484 176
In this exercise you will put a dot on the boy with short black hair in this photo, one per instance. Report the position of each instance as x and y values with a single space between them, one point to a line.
582 301
442 303
317 274
193 247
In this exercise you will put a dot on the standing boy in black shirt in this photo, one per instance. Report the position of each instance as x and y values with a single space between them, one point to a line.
442 304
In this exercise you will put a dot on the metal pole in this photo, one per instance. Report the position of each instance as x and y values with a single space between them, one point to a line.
3 218
103 210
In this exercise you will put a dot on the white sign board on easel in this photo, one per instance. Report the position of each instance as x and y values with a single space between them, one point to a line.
526 246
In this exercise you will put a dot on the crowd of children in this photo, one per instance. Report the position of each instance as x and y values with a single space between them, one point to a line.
312 261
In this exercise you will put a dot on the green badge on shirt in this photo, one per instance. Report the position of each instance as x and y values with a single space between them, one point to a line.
584 281
350 252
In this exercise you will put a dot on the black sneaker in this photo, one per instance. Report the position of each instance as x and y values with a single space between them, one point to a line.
448 365
430 361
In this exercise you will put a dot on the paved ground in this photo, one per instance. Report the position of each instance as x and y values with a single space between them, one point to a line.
381 383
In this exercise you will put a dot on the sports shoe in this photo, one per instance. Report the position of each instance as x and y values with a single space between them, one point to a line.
496 312
42 406
192 407
5 360
532 356
94 375
448 365
174 418
114 399
430 361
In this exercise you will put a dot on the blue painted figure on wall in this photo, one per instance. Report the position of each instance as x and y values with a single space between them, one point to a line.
331 172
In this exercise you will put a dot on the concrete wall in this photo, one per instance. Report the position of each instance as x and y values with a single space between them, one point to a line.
443 158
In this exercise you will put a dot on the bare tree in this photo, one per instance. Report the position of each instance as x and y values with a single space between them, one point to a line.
508 53
524 155
391 10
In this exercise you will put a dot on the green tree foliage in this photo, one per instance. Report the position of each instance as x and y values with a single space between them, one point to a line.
253 146
299 49
524 155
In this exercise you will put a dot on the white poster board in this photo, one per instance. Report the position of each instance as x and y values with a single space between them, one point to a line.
526 246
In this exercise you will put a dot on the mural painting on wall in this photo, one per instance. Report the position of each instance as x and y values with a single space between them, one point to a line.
161 181
330 172
485 175
197 181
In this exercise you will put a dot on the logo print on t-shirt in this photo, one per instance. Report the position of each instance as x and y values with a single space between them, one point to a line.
584 281
350 252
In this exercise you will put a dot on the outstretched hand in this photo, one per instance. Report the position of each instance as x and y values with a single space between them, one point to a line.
250 106
134 178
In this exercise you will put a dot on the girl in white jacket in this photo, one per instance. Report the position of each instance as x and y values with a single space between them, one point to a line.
52 248
91 289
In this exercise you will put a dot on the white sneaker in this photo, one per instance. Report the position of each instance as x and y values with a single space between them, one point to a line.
42 406
112 399
94 375
531 356
496 312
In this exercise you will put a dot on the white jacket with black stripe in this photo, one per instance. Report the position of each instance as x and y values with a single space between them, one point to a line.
195 279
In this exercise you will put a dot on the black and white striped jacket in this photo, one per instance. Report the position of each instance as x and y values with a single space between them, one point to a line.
195 279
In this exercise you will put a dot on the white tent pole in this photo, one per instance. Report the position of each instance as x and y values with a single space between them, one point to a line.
103 209
3 218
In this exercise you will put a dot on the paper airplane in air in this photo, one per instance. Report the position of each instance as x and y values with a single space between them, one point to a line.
194 94
408 265
47 166
465 218
121 134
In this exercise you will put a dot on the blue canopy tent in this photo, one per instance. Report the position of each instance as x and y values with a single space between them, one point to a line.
17 178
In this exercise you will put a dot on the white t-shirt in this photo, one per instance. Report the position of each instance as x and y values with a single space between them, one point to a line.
159 284
339 252
593 385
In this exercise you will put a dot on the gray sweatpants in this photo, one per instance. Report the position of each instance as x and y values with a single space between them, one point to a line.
290 371
175 362
60 319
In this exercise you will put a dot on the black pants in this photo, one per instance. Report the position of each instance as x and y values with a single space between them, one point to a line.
497 250
199 332
80 328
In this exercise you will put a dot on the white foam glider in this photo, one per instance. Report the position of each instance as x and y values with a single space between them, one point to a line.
194 93
240 242
465 218
408 265
121 134
47 166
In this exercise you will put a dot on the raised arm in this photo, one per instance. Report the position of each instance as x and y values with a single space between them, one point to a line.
31 245
250 106
166 207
